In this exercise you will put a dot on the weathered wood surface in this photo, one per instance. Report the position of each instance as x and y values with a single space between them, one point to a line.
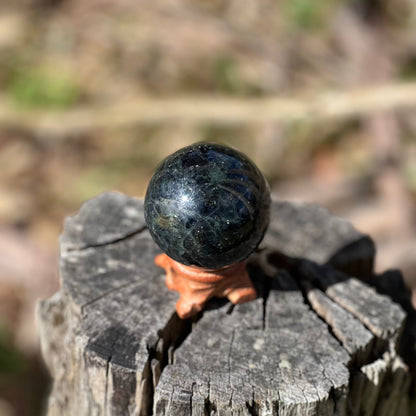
315 342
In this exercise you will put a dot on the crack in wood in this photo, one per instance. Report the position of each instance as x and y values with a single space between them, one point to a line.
304 288
190 397
107 372
108 292
329 281
107 369
209 407
229 357
331 392
262 272
171 337
107 243
230 309
251 410
149 378
251 407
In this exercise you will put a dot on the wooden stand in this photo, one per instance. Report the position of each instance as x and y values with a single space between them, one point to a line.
196 285
316 342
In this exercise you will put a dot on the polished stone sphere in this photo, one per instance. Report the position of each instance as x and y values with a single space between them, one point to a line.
207 205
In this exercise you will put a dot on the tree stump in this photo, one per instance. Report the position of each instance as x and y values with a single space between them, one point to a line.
317 341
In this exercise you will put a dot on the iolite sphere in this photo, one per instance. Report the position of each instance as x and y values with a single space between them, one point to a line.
207 205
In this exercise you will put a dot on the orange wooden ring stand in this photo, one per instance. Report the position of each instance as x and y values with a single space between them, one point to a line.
197 285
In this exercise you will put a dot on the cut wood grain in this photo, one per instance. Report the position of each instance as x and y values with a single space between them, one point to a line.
315 342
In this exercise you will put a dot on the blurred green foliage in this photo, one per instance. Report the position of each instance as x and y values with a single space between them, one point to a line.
39 88
408 69
12 362
308 14
410 176
228 78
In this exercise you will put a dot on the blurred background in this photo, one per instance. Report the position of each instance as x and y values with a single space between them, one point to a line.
321 94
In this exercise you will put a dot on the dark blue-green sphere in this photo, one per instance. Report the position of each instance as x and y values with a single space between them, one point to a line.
207 205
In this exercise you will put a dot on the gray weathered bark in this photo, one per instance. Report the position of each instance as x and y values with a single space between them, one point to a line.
316 342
